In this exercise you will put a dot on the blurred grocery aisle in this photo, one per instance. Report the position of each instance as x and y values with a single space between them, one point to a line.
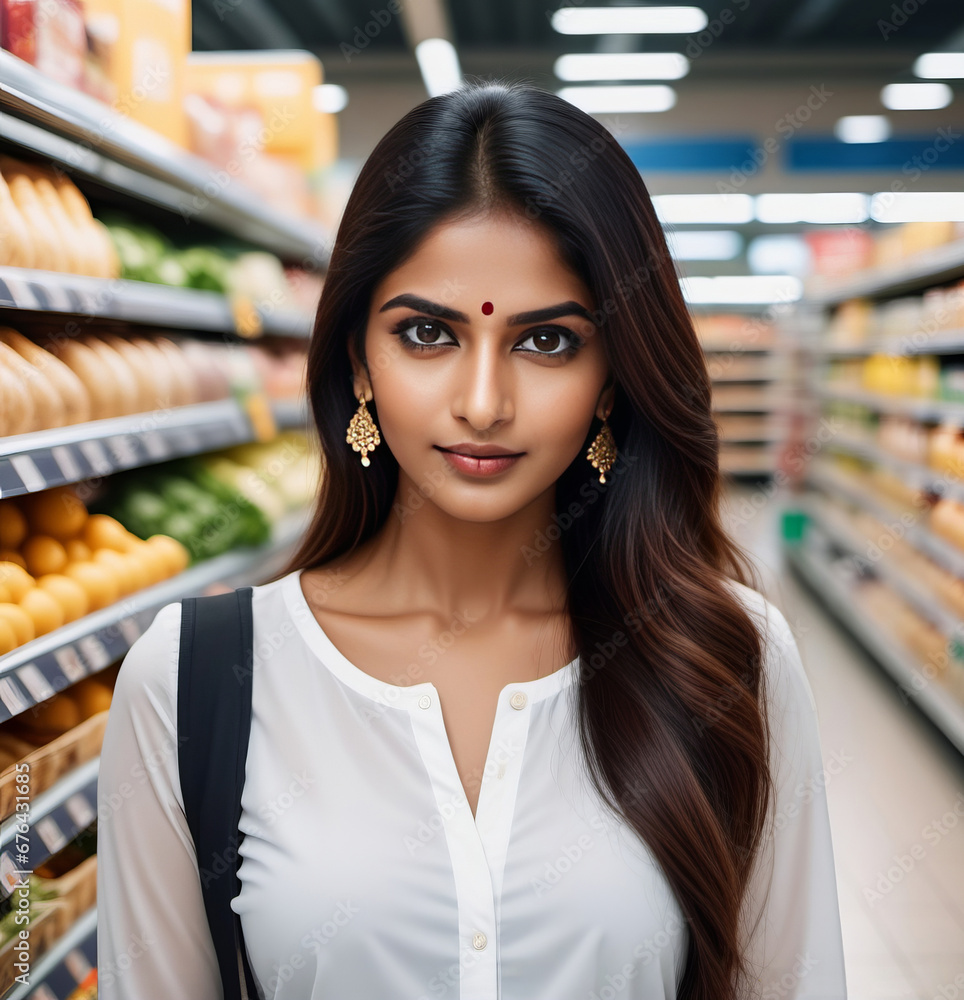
172 176
895 786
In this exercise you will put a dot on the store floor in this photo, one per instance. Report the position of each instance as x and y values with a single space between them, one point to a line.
895 787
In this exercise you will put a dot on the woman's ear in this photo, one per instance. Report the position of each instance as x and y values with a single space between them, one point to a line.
361 383
607 399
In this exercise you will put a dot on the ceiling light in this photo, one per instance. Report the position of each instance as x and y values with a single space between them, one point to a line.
784 254
917 206
817 207
705 244
934 65
439 64
329 97
741 289
621 66
862 128
628 20
916 96
616 99
703 208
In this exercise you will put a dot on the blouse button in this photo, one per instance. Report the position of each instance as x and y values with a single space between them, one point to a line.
518 700
478 941
425 701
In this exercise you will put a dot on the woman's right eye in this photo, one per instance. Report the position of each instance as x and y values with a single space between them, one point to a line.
431 338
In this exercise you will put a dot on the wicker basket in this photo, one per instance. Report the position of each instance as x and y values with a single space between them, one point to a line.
45 928
53 760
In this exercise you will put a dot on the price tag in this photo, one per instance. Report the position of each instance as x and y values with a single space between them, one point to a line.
123 449
94 651
20 293
258 409
77 965
35 682
50 833
57 296
130 629
80 810
28 472
154 444
66 462
94 453
11 697
70 663
247 318
9 871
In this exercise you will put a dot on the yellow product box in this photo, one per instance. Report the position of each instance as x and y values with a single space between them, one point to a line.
279 84
147 45
918 236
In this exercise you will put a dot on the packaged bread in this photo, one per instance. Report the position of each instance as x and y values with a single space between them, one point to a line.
48 408
67 385
16 243
49 251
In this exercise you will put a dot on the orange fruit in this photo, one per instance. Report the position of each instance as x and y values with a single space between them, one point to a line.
91 695
175 554
68 593
57 512
101 531
18 619
13 525
97 580
43 554
43 608
11 555
8 638
141 575
116 562
78 551
15 579
5 596
152 560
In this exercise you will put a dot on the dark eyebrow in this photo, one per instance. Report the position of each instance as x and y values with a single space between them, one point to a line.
416 302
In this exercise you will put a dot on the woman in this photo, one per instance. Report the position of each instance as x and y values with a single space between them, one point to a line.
522 728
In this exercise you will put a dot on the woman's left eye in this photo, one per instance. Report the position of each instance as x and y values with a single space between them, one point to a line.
558 341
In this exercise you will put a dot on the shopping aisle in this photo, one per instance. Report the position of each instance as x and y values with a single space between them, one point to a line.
895 787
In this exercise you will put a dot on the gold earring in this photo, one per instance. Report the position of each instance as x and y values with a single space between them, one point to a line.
363 431
602 452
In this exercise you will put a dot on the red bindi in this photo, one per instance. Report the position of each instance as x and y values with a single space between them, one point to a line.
487 308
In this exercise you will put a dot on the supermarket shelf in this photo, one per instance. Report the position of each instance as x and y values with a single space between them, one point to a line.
929 267
57 969
932 545
43 459
921 477
56 816
86 135
926 603
34 290
35 671
905 406
942 708
942 342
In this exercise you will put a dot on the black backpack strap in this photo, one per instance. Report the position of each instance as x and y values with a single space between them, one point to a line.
214 723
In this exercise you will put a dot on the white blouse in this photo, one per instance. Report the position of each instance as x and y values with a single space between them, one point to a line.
364 874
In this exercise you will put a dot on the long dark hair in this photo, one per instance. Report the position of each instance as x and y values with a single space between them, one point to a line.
671 695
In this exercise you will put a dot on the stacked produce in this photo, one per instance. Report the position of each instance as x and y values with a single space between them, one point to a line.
58 562
146 254
45 222
214 503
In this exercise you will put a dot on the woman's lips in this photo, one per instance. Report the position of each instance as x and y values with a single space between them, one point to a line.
480 466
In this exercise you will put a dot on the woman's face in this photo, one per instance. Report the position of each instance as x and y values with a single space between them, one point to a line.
465 366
